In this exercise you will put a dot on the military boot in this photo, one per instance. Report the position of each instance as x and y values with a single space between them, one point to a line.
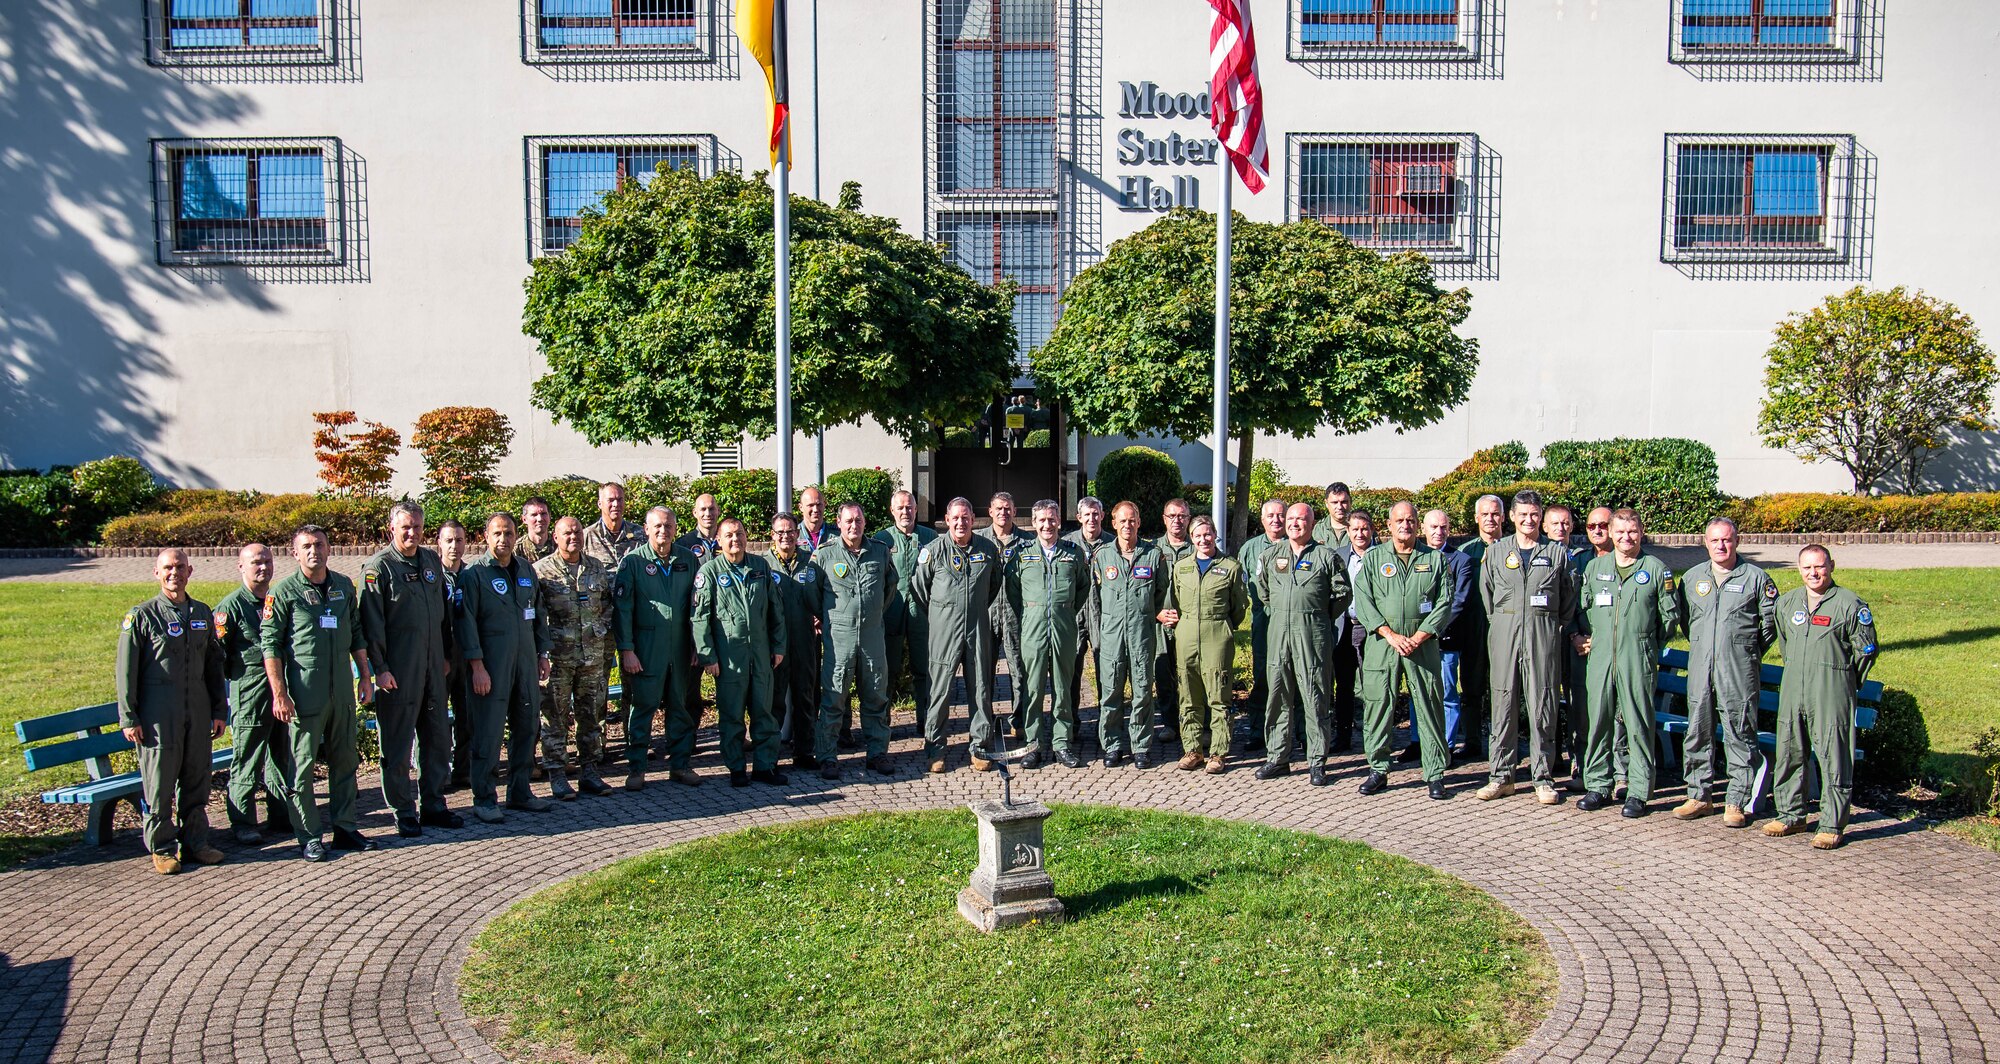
559 785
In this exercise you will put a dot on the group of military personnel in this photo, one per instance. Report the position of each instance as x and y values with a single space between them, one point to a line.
457 654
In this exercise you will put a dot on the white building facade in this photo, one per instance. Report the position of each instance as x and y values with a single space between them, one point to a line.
229 214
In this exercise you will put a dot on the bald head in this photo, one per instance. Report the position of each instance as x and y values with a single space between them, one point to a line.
171 567
256 563
1299 523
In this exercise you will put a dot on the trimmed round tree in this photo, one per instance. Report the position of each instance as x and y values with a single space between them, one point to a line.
1326 337
658 324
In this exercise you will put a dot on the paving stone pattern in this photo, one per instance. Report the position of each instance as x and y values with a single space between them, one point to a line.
1674 941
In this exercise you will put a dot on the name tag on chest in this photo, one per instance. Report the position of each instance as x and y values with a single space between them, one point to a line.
328 620
1538 600
528 613
1602 598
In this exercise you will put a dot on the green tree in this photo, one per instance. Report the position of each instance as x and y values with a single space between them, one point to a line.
1876 382
658 324
1325 336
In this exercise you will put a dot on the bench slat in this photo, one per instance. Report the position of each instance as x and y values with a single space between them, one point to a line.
71 751
123 785
1674 659
69 723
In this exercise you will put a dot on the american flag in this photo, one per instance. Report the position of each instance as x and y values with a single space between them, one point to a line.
1238 99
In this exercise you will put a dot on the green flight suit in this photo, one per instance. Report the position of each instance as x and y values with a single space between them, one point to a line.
259 750
311 631
1166 666
953 586
1409 593
1127 596
738 625
581 607
654 621
1212 605
1828 650
1530 598
506 627
1045 587
1628 615
404 603
702 548
795 685
907 632
853 590
1006 623
1573 693
1732 619
1251 556
1303 592
1086 618
170 683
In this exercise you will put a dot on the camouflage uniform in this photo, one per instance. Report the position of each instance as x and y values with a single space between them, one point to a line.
579 602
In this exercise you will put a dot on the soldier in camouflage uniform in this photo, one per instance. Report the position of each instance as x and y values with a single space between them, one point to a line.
577 592
609 539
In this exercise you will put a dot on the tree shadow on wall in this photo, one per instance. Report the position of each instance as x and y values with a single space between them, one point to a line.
81 350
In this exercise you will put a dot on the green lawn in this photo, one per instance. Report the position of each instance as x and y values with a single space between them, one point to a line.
1188 939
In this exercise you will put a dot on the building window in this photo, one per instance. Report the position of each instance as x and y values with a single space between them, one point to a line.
570 175
1376 25
1414 192
1756 27
649 25
1757 198
248 202
994 246
996 96
242 32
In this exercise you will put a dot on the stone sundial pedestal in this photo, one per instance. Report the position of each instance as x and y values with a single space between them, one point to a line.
1011 886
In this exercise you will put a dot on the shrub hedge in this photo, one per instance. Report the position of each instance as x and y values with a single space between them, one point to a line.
1141 475
869 487
272 520
1896 745
1815 512
1670 481
71 504
749 495
1038 438
1487 469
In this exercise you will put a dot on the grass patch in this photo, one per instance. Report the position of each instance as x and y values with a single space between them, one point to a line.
1190 939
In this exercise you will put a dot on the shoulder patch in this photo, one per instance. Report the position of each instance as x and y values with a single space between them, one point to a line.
132 618
924 554
1864 616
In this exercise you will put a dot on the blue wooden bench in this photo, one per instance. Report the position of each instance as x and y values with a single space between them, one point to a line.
92 736
1671 722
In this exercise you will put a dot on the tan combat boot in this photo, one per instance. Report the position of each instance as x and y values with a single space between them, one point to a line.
980 764
165 865
1215 766
1493 790
1733 817
1827 840
1778 829
1189 761
1546 794
937 766
1692 809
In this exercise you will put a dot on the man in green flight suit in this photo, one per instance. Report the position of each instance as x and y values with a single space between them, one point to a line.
1208 597
576 592
1628 611
1731 607
259 748
854 577
655 591
1304 587
172 707
1529 594
908 634
795 684
1402 600
956 577
1333 532
739 637
1272 519
1009 537
1174 545
1089 535
1128 598
1827 635
506 644
1047 581
309 636
403 608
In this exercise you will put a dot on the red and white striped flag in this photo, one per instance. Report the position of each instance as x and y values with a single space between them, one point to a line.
1236 97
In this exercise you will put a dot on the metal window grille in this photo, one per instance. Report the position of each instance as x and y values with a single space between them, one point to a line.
997 82
568 176
1376 30
283 33
1779 198
1392 192
250 201
599 31
722 459
1764 30
1020 247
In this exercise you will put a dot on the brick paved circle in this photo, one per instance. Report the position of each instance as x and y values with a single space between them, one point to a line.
1674 941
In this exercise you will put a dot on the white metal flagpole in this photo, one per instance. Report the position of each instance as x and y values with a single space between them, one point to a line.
784 300
1219 469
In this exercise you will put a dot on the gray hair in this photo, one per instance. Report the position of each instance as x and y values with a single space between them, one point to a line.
958 500
1713 521
1046 506
663 510
846 506
1001 496
407 506
1090 502
1484 499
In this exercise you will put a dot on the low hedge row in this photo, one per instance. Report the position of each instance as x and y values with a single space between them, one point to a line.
1805 512
70 504
269 519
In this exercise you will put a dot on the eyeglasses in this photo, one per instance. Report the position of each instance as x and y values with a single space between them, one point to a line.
1598 524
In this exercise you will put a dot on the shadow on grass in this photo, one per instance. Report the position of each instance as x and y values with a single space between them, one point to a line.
19 849
1952 638
1112 895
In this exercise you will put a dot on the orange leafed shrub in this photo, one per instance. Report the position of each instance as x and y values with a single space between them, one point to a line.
461 446
354 461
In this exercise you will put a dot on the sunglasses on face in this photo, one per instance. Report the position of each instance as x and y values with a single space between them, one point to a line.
1597 526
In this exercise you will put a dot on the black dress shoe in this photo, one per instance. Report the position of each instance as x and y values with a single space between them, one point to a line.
409 827
1410 753
771 776
1316 775
1634 809
313 850
1032 760
1142 762
1437 790
881 765
1069 759
739 778
805 761
441 818
1593 801
593 785
1271 770
1376 783
829 769
344 839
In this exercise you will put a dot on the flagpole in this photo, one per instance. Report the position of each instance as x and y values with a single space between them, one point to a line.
1219 469
782 221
